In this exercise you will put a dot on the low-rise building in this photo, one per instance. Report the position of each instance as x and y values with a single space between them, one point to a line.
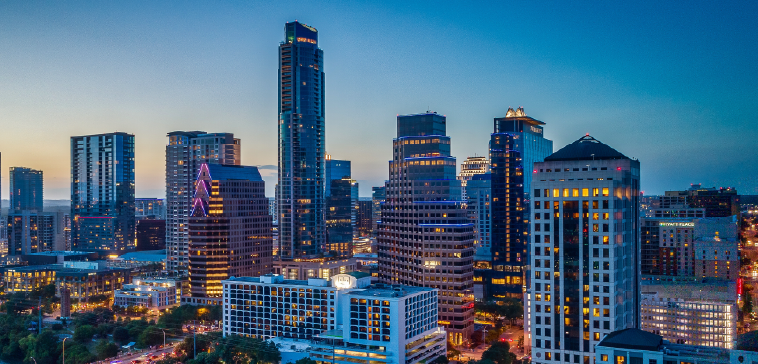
634 346
87 279
303 269
155 297
26 279
345 319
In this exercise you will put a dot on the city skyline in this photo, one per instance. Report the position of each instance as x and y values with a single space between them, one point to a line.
673 91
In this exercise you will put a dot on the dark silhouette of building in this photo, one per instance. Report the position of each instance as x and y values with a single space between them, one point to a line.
151 234
363 218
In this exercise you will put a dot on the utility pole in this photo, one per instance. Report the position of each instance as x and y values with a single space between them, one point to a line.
194 339
164 338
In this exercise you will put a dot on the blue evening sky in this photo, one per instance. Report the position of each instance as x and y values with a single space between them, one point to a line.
674 84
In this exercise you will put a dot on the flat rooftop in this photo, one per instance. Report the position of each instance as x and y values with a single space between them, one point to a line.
388 291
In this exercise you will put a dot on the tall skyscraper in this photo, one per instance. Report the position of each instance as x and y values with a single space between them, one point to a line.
102 192
25 190
425 238
229 228
471 167
516 144
185 153
302 229
480 213
584 258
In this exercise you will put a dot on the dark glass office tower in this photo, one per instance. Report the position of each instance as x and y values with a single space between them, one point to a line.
301 143
335 169
102 192
26 190
341 216
425 238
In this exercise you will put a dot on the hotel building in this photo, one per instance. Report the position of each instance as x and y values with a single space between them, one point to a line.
345 320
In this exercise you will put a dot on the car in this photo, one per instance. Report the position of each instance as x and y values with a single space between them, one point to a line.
136 361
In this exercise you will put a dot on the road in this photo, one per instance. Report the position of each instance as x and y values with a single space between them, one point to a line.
511 336
128 357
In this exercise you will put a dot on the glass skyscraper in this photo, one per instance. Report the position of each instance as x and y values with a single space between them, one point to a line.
301 144
102 192
25 190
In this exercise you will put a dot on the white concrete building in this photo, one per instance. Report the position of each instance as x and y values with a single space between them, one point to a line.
150 296
584 249
344 320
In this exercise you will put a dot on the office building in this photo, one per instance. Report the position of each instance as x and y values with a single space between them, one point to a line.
25 190
272 208
86 279
717 258
480 213
230 230
470 167
345 320
584 262
364 217
717 202
151 234
154 208
34 232
322 268
335 170
341 217
668 244
102 192
185 153
424 237
302 132
693 312
635 346
378 195
530 140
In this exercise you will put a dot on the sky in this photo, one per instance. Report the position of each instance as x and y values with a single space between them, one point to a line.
673 84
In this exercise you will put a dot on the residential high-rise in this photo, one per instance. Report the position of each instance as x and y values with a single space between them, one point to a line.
25 190
425 238
185 153
584 251
229 230
154 208
378 195
34 232
302 228
364 217
102 192
479 211
470 167
340 217
151 234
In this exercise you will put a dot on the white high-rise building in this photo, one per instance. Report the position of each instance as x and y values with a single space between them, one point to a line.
185 153
343 320
584 250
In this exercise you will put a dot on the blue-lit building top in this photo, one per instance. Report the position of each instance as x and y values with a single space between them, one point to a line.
102 192
301 143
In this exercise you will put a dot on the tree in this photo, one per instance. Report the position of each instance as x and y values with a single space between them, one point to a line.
78 354
84 333
499 352
106 349
121 335
152 335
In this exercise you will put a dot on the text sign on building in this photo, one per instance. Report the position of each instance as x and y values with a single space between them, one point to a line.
676 224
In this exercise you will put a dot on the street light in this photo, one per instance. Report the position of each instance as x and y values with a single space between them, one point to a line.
64 350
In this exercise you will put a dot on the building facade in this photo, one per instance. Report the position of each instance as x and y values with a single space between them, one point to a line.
693 312
151 234
34 232
363 218
230 230
335 170
302 132
185 153
341 217
469 168
154 208
26 189
378 195
424 237
145 295
102 192
345 320
584 258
